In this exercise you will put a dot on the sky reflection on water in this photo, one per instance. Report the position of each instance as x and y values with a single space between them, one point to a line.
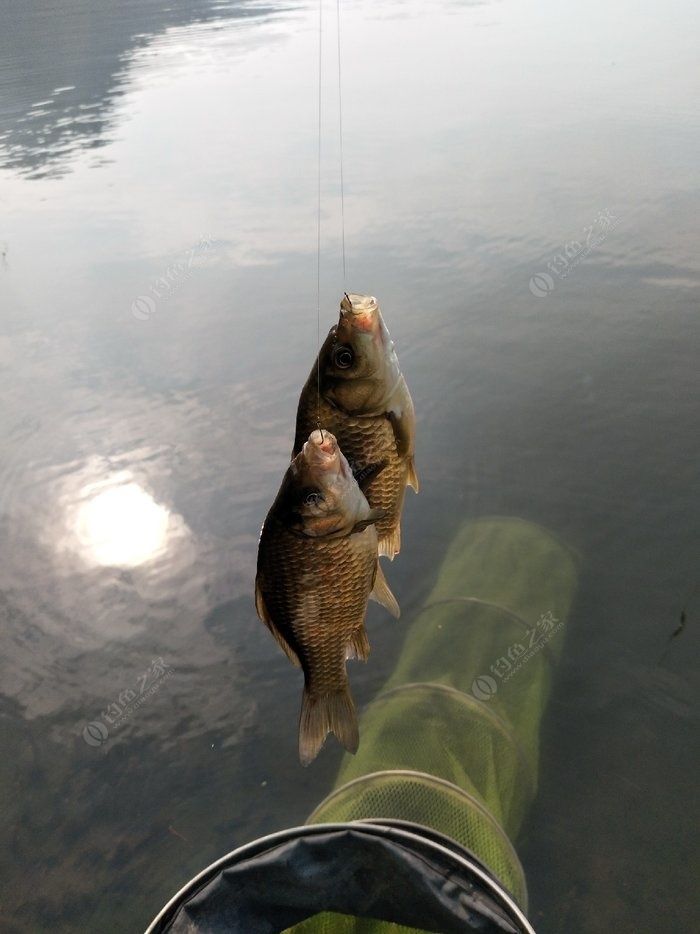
141 452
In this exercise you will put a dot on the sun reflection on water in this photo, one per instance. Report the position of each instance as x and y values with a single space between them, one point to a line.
118 524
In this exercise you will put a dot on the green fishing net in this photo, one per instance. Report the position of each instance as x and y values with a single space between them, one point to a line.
452 741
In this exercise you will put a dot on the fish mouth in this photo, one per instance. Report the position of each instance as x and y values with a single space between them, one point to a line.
360 311
321 450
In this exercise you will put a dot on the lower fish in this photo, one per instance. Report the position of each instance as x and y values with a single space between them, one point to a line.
317 568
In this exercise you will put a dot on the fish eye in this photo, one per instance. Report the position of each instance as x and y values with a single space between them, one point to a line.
344 357
313 498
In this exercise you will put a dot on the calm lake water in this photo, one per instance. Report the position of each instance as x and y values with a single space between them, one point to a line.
146 429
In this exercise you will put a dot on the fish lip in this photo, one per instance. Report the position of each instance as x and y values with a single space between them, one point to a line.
364 316
321 450
361 312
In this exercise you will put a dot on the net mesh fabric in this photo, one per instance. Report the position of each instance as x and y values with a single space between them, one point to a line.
452 741
425 799
438 730
330 922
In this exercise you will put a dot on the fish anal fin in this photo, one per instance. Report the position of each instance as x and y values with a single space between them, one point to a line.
412 478
267 619
382 594
358 647
390 544
324 714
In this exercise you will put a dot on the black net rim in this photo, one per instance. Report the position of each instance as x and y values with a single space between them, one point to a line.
434 875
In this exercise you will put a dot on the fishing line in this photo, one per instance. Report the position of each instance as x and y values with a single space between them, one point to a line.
340 134
318 193
318 218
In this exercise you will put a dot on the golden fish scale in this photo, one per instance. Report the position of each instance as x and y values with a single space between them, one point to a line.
363 441
316 593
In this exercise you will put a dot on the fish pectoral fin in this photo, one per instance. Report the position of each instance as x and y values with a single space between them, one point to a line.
390 544
412 479
364 475
403 427
324 714
403 436
373 516
382 594
267 619
358 647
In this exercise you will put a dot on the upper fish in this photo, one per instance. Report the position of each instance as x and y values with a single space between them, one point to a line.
357 390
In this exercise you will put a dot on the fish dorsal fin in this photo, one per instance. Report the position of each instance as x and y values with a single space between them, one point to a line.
382 594
267 619
373 516
412 479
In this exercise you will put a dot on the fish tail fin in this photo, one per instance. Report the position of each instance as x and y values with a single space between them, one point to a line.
329 713
390 544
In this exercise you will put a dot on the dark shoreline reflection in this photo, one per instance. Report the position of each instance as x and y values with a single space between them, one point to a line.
63 67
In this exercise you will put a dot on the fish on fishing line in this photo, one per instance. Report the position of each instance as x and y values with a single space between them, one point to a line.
317 568
356 389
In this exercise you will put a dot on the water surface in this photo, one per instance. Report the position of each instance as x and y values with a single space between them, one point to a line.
159 315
